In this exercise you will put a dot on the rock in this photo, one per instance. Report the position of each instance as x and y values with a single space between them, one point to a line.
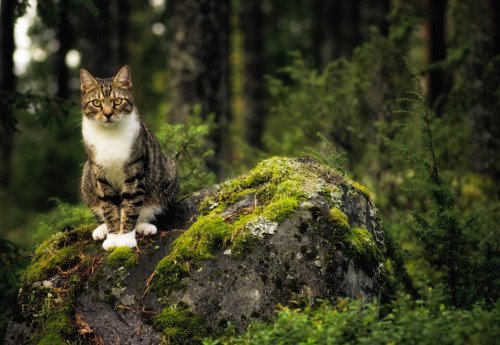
289 231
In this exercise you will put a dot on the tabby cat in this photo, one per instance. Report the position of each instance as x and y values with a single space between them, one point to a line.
126 180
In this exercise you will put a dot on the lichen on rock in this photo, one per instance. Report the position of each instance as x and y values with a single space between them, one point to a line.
288 230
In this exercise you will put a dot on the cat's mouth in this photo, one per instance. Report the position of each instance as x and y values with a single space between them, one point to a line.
108 122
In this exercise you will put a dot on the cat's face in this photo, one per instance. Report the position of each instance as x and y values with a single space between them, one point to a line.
107 101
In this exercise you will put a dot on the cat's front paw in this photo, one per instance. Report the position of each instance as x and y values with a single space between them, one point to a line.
120 240
100 232
145 229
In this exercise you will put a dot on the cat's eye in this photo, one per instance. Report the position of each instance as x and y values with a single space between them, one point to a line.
96 103
118 101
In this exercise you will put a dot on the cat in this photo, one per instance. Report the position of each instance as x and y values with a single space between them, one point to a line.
126 180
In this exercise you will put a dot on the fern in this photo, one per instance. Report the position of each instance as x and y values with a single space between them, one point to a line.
327 154
439 227
188 145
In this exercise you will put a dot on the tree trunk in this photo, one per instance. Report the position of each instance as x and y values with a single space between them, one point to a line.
122 34
252 23
7 85
351 36
328 30
374 13
198 65
438 84
495 6
338 32
64 37
104 38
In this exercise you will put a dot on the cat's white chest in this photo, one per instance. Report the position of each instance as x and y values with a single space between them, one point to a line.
112 146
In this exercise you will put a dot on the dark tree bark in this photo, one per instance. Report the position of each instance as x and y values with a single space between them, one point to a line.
122 34
374 13
328 30
7 85
199 66
350 32
495 6
338 31
64 37
104 38
252 24
438 83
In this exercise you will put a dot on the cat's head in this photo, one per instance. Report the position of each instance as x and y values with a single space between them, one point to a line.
107 100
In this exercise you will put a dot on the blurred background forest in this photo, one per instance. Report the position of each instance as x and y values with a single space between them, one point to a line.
402 96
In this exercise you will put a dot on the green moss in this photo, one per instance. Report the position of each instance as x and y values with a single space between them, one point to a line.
179 324
54 329
63 238
121 256
50 309
52 321
278 211
263 180
363 249
363 190
49 262
239 224
195 245
199 241
339 218
62 218
169 273
243 244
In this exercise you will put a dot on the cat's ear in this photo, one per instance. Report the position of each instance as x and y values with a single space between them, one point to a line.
123 77
86 80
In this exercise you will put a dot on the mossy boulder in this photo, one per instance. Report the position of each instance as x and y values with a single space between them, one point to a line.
289 231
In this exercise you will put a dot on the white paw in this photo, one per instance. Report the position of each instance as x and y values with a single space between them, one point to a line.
120 240
145 229
100 232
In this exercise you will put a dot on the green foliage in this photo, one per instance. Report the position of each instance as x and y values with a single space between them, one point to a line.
121 256
326 154
179 325
48 142
352 322
63 217
441 228
337 103
48 111
187 145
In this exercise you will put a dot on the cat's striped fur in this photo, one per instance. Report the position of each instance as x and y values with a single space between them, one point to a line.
126 180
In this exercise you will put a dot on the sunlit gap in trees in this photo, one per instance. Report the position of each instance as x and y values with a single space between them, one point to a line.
26 51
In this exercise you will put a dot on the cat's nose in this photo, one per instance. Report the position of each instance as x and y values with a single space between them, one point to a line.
107 112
